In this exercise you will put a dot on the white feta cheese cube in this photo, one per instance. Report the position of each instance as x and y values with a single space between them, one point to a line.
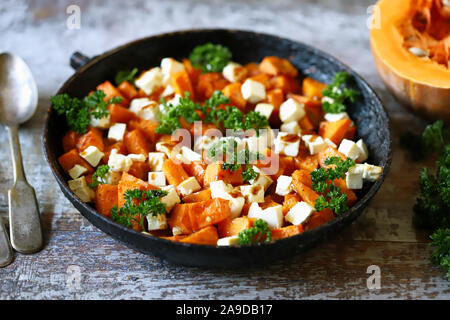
228 241
188 186
138 103
272 215
256 144
236 205
371 172
287 144
354 177
92 155
112 177
168 91
314 143
253 91
170 66
158 222
117 131
137 157
363 152
349 148
299 213
168 148
330 143
254 210
102 123
291 127
332 117
234 72
253 193
157 179
156 161
150 80
118 162
77 171
81 189
145 109
187 155
204 143
265 109
262 179
283 185
171 199
291 110
222 190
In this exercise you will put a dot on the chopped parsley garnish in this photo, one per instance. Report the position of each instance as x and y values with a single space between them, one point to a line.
432 140
186 109
228 117
323 182
441 255
259 232
235 159
78 112
99 176
126 75
138 204
210 57
335 94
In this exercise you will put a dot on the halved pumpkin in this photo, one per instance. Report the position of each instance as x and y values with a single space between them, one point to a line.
410 42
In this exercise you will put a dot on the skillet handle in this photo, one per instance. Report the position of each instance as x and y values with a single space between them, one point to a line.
77 60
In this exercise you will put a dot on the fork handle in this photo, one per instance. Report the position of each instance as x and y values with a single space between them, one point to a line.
24 217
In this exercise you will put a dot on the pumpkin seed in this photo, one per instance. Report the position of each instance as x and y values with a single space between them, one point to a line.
419 52
446 3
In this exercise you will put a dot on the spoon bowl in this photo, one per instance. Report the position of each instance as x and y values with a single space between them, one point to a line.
18 103
18 91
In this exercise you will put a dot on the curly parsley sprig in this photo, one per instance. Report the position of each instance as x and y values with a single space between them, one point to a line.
210 57
431 141
235 159
228 117
335 94
78 112
258 232
126 75
441 255
138 204
323 182
99 176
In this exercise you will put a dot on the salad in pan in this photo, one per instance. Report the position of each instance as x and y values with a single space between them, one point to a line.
209 151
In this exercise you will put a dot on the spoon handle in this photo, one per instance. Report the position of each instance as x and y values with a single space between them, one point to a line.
24 217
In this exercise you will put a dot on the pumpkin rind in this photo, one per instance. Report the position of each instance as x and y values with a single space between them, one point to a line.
420 84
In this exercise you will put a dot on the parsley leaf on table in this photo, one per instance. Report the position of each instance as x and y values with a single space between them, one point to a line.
432 140
126 75
441 255
78 112
138 204
259 231
335 94
432 208
210 57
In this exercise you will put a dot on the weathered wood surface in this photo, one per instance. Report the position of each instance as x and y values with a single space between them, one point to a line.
383 236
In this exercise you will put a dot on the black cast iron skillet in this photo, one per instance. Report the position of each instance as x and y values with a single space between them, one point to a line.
368 114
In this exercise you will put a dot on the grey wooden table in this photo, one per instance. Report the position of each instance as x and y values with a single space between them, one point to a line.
81 262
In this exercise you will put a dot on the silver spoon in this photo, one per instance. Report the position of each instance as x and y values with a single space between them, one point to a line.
18 102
